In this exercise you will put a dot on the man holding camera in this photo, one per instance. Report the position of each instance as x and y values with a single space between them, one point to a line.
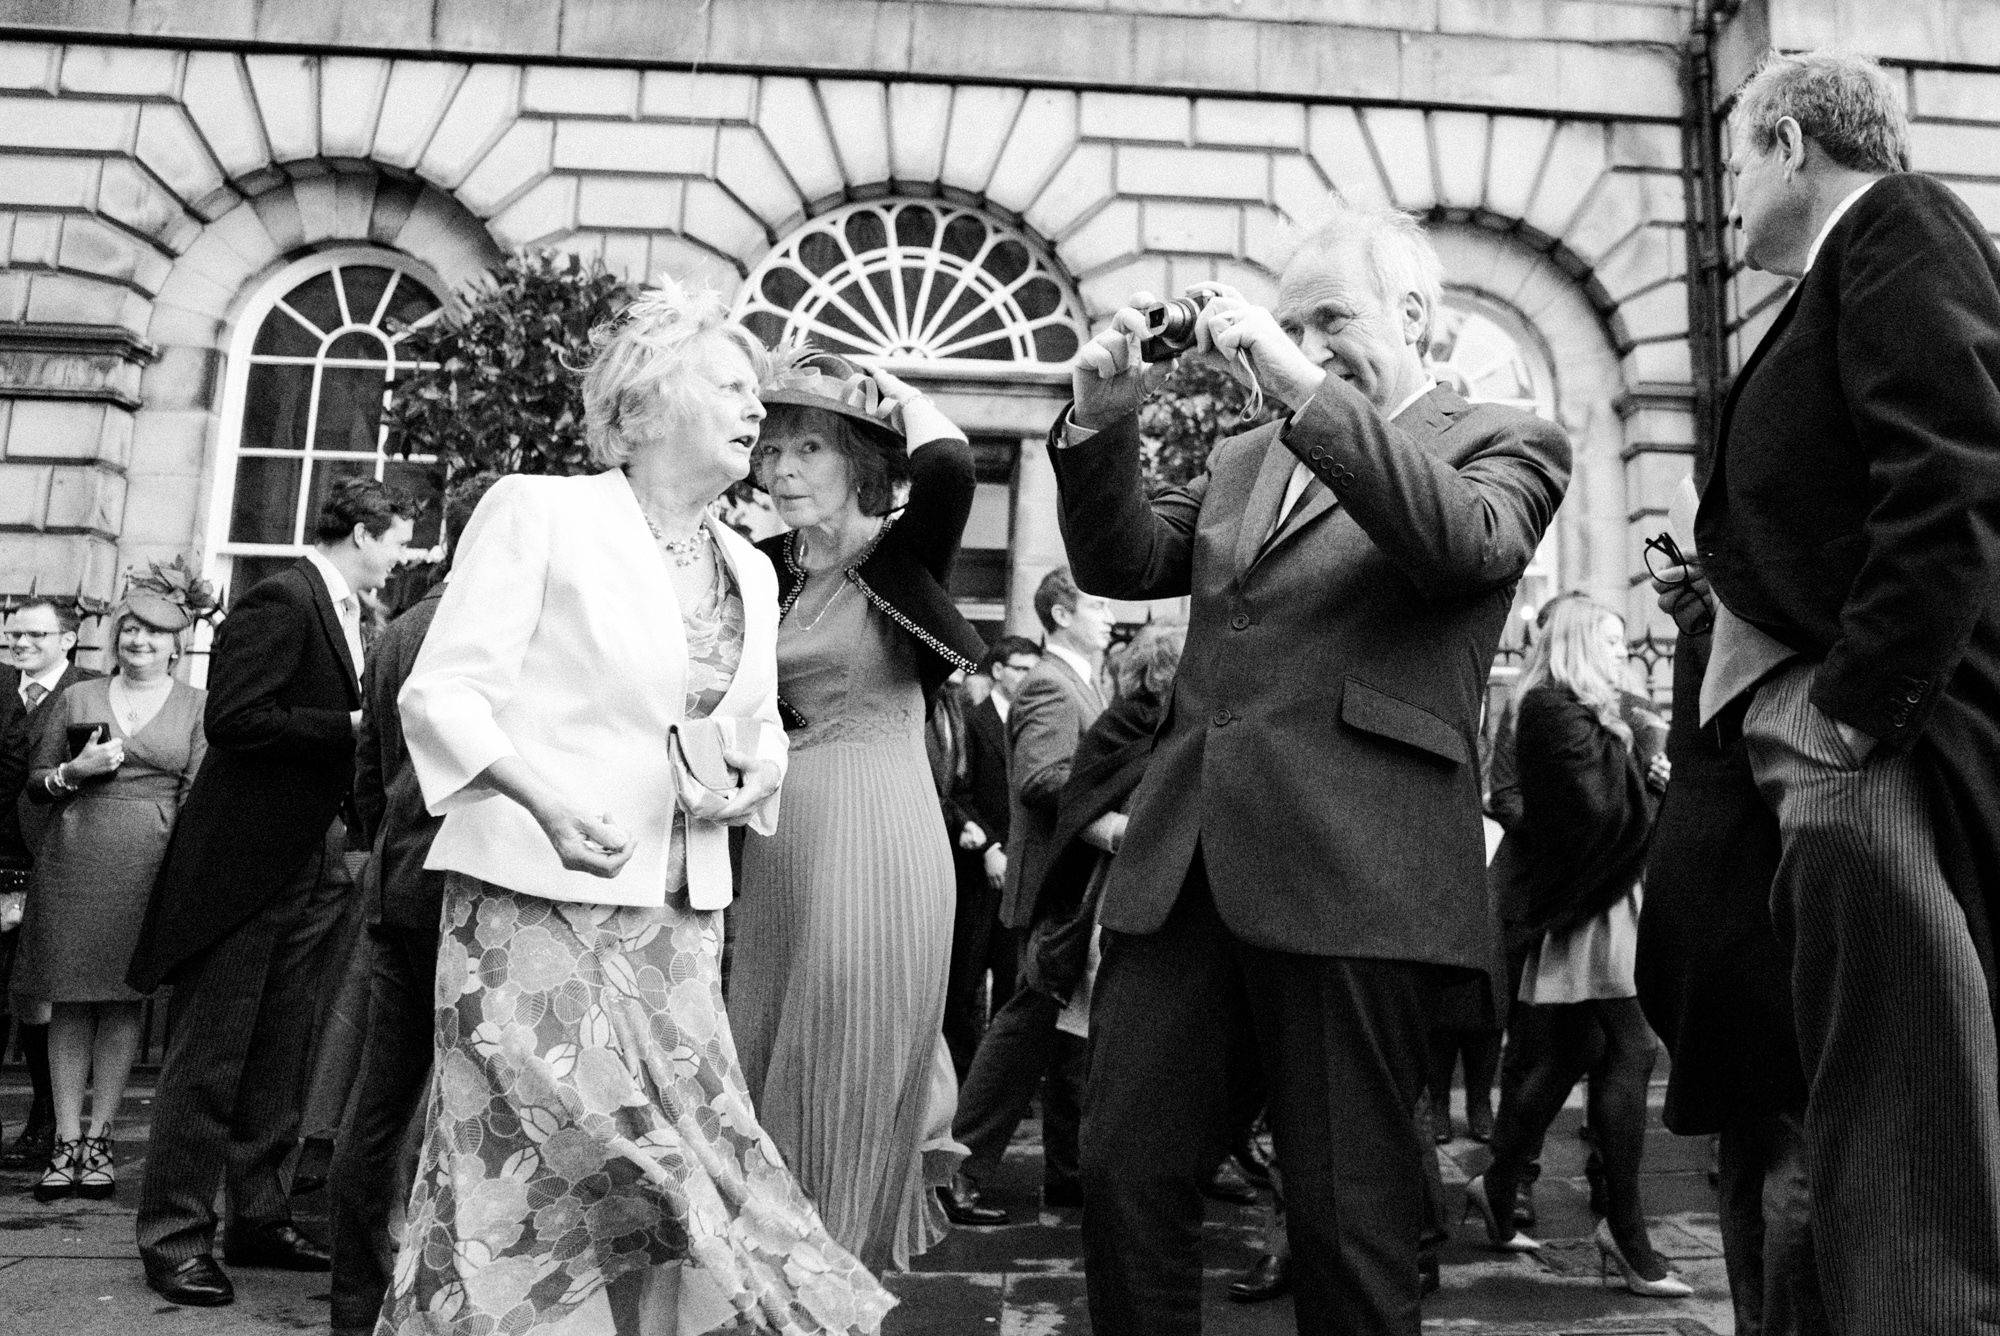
1304 860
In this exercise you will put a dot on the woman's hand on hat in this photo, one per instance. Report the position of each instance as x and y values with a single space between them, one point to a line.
895 391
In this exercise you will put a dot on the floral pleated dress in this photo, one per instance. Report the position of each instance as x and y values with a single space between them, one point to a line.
587 1118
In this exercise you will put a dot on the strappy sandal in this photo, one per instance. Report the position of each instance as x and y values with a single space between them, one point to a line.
59 1179
96 1176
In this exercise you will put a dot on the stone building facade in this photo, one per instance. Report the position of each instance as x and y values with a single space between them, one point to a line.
216 216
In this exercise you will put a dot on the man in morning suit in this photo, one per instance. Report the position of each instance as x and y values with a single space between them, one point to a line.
1304 860
979 942
40 638
1058 702
226 925
1850 532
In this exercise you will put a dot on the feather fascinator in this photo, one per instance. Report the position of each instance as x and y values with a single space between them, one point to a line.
171 597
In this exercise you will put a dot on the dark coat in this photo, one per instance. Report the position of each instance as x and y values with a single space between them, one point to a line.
281 688
1853 507
905 575
1319 742
981 792
17 744
1714 982
399 890
1051 713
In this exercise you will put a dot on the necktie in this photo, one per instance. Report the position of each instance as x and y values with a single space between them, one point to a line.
350 626
34 693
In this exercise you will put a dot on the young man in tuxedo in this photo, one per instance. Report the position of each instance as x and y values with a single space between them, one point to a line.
1058 701
40 642
1849 562
227 923
1304 861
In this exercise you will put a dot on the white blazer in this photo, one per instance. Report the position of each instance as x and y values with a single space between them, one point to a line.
559 640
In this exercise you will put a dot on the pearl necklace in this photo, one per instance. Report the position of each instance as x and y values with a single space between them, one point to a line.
684 551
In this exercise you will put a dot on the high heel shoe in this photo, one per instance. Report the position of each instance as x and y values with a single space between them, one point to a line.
1476 1203
59 1179
1609 1255
96 1172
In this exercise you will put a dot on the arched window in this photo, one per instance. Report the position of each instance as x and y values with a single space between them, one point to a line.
914 280
315 356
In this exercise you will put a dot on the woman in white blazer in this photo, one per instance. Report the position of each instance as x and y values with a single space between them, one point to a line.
595 704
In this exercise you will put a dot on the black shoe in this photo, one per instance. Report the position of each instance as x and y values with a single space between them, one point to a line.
279 1247
1270 1278
37 1141
198 1282
315 1159
961 1206
1227 1186
1065 1196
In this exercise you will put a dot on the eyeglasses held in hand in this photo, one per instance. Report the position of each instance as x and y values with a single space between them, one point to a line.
1665 563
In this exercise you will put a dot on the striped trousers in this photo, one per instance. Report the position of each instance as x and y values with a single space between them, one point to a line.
1895 1030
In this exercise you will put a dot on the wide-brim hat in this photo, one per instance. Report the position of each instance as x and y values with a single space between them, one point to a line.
171 597
804 377
157 610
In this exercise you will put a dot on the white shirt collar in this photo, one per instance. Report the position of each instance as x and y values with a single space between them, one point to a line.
1403 407
1085 670
337 587
1001 705
48 677
1839 211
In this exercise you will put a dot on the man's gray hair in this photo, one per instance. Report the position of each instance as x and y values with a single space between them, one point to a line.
1400 256
1844 103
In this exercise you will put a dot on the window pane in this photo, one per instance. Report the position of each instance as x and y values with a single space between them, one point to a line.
410 303
355 344
275 400
285 337
350 409
245 573
314 300
365 285
980 574
266 500
424 484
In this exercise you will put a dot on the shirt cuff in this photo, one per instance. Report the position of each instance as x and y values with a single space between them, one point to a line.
1072 434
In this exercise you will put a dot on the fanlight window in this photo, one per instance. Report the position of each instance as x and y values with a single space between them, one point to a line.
914 280
1475 355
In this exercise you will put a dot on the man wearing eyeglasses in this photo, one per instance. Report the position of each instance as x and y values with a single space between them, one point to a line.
39 638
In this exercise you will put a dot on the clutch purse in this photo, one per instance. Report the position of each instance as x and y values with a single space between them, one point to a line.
703 781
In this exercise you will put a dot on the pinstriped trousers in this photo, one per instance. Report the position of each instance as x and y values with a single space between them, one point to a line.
1895 1030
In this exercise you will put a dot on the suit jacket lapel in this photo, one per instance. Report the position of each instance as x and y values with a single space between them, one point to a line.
1260 511
1764 345
329 622
1086 689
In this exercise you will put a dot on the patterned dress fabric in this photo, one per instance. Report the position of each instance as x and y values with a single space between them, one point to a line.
99 853
842 936
588 1119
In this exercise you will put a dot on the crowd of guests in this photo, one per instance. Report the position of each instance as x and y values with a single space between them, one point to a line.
726 905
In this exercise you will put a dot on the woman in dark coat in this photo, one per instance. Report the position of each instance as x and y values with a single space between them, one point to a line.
1590 768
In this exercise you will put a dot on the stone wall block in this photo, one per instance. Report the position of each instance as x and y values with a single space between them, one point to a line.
67 431
625 254
1403 147
1659 364
439 232
1247 124
67 123
1651 255
24 495
1657 313
494 25
13 295
85 500
1983 198
1320 60
1623 202
353 203
1963 150
169 146
1578 156
350 100
746 164
173 325
1514 162
161 511
652 203
317 198
1148 116
788 111
557 90
479 114
1254 281
1109 236
1039 143
1339 144
1193 173
1177 225
1103 293
217 96
981 119
1753 290
1081 184
919 115
91 247
1264 236
522 156
547 211
127 192
1647 144
982 42
635 146
713 217
37 240
1620 80
1653 475
30 65
61 183
1297 188
680 95
858 115
191 289
1459 143
1955 95
71 565
415 100
287 91
693 263
133 70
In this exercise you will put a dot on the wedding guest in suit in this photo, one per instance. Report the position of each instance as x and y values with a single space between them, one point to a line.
1305 858
1849 543
981 946
40 640
114 759
592 1161
1023 1050
843 939
226 924
1590 767
402 903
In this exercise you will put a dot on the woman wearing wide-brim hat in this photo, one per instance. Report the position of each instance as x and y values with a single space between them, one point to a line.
843 932
114 760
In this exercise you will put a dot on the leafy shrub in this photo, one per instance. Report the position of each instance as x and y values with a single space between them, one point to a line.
1196 406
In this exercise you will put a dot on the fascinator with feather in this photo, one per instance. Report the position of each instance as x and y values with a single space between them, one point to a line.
171 597
802 376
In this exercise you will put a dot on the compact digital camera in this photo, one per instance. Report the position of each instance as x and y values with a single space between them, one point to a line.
1170 327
